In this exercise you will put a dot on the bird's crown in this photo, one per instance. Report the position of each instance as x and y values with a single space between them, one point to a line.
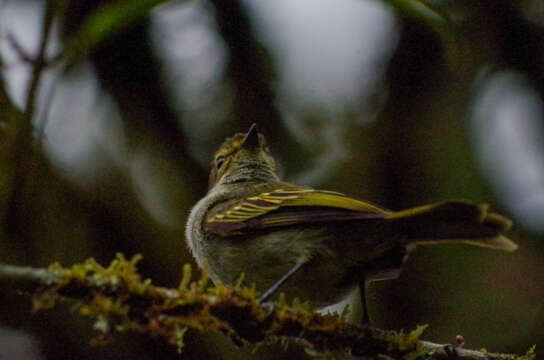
243 157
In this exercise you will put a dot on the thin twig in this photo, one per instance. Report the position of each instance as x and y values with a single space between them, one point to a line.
32 277
28 58
40 62
19 50
24 151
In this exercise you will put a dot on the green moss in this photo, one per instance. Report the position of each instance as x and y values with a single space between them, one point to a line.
179 335
118 299
186 276
101 304
529 355
407 344
120 272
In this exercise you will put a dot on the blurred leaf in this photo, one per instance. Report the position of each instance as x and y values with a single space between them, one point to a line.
419 11
107 21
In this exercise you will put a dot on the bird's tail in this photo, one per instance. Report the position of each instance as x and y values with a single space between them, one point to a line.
453 221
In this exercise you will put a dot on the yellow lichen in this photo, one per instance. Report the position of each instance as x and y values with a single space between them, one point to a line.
185 277
240 280
530 354
101 304
179 335
106 293
407 343
120 271
44 300
410 340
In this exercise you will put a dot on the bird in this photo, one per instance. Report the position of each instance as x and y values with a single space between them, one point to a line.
316 245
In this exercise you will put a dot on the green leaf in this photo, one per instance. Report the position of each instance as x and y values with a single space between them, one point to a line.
107 21
418 10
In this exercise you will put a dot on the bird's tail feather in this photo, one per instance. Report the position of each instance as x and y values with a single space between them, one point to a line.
453 221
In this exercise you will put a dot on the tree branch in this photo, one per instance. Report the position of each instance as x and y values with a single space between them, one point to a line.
28 277
119 300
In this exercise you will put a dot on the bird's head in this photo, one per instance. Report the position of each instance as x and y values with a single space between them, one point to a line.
243 158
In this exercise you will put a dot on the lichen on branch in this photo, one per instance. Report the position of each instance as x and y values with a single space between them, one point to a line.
118 299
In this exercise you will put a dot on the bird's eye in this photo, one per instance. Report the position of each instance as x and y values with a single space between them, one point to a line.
219 162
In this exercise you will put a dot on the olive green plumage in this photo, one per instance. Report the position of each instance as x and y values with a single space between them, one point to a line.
251 222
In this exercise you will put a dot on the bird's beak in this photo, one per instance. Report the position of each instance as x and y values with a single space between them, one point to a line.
251 140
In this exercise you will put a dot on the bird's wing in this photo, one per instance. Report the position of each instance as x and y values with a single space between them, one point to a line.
283 207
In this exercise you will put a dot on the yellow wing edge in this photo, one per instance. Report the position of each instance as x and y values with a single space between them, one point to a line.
261 204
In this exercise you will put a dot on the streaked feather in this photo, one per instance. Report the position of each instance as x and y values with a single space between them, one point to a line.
263 210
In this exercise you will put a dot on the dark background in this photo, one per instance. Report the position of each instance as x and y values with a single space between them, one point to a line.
383 100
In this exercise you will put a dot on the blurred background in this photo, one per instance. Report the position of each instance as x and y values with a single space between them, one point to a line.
399 102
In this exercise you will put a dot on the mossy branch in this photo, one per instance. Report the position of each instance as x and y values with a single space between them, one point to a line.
118 299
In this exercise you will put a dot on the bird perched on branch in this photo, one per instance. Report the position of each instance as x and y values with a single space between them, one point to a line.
316 245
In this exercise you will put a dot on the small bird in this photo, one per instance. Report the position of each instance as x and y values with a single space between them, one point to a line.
316 245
